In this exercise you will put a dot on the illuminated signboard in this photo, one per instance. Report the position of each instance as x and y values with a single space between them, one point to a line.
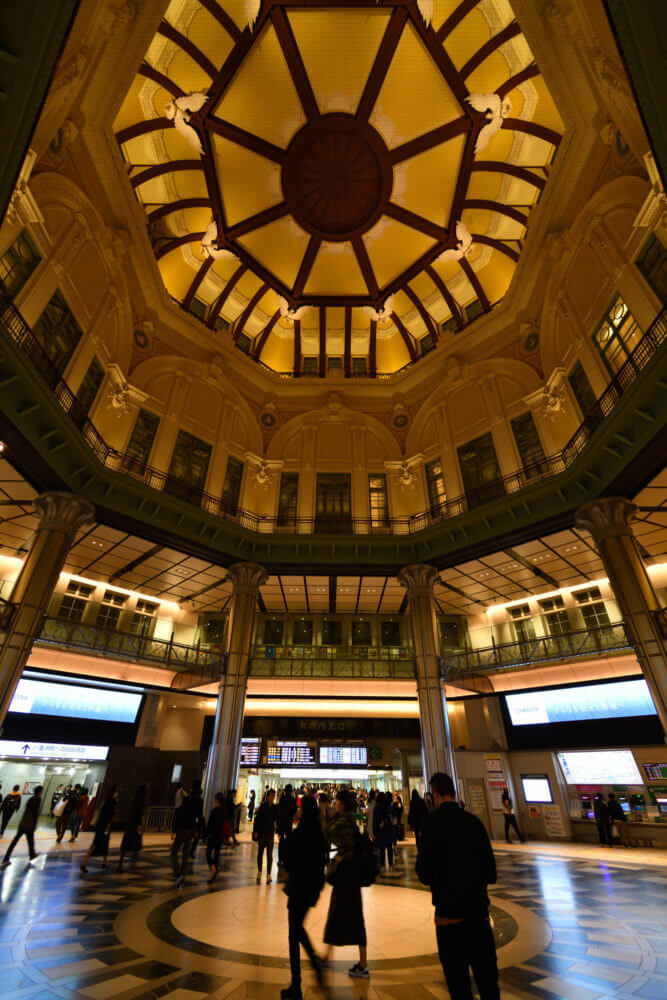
536 788
280 752
617 700
599 767
343 756
52 751
249 752
656 772
75 701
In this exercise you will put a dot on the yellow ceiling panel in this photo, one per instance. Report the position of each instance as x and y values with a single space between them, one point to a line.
546 112
248 182
196 221
447 269
188 74
130 111
490 75
335 272
441 11
224 267
392 353
392 247
278 353
262 97
496 275
280 246
467 37
429 180
414 97
499 147
190 184
484 184
210 37
176 274
422 286
477 220
236 10
248 285
338 49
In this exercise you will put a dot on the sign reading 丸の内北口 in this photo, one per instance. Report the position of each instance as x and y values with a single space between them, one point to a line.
53 751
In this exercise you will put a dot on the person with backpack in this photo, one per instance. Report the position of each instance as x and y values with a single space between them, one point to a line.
27 826
383 831
305 855
345 920
10 804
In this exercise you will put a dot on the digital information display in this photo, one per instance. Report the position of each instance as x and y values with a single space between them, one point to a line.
75 701
343 756
655 772
291 753
536 788
250 748
617 700
599 767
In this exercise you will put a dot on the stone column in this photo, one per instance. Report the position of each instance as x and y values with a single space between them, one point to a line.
223 758
609 522
62 514
437 751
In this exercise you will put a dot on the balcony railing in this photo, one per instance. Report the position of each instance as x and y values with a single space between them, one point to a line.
156 479
579 644
134 648
329 661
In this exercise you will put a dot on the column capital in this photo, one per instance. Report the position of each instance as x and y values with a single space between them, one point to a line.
606 517
418 579
246 577
63 512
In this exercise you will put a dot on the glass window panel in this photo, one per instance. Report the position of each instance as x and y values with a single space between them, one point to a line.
582 389
143 436
302 632
359 366
652 263
288 499
188 467
361 633
332 633
480 470
231 490
617 335
527 440
72 608
378 501
273 632
435 483
90 385
58 332
333 503
17 264
390 633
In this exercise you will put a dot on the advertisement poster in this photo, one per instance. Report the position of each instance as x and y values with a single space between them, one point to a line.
495 781
534 812
553 821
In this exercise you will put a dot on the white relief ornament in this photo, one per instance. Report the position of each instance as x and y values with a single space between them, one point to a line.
180 110
209 243
552 403
406 479
119 399
426 10
463 244
495 110
288 313
383 313
251 9
262 476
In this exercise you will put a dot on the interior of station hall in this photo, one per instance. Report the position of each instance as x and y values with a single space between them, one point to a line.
333 429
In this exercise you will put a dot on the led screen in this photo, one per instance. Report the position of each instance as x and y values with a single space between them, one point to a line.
338 755
74 701
599 767
249 752
536 788
291 753
617 700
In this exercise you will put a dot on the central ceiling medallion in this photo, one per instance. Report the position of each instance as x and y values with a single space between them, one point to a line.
337 177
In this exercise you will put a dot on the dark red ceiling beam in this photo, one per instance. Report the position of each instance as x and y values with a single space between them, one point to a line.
533 128
322 361
177 206
431 326
365 266
188 46
306 267
167 167
429 140
347 349
296 364
490 241
178 241
222 17
249 141
496 206
162 81
407 337
196 282
452 304
262 218
264 335
515 81
383 57
245 315
452 77
295 63
522 173
415 221
242 46
462 182
372 355
142 128
212 186
476 284
225 293
511 31
454 18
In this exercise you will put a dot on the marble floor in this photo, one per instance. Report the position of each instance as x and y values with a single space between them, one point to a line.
571 921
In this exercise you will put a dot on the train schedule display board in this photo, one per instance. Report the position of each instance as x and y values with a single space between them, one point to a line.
343 756
250 749
285 753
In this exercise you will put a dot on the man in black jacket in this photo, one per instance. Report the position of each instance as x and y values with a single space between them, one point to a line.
286 814
187 823
27 826
456 860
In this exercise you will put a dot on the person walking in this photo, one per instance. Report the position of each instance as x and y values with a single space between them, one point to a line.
345 920
305 856
509 817
456 860
27 827
263 832
230 815
416 814
251 806
186 825
618 817
100 844
78 813
132 841
602 820
397 818
370 809
287 806
10 804
71 799
214 826
383 831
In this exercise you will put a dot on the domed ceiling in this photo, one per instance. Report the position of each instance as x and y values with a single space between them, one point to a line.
334 183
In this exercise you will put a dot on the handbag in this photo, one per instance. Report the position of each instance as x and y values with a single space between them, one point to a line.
59 807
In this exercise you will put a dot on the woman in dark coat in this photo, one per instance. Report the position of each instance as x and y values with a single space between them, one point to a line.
416 814
305 855
100 844
345 922
132 841
383 830
214 827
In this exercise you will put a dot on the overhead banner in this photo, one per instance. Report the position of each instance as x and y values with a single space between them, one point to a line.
52 751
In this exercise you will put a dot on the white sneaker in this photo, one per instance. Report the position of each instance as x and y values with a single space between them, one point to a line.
359 972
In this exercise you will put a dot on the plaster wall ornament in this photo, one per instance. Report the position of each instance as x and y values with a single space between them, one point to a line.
22 206
251 9
69 131
463 244
289 314
65 513
562 15
123 13
383 313
418 580
209 243
246 578
607 517
457 370
552 403
213 369
405 478
259 469
334 406
495 109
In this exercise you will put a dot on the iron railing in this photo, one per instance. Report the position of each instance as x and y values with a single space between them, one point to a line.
156 479
158 819
329 661
135 648
578 644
